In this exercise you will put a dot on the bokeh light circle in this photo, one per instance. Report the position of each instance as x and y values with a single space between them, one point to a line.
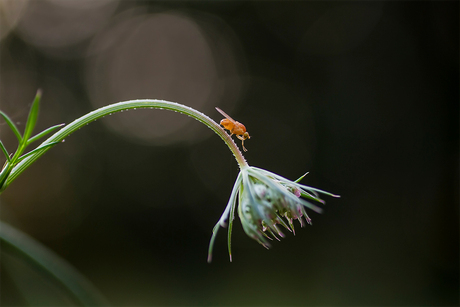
170 56
56 27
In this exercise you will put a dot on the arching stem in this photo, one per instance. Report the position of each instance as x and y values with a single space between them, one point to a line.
122 106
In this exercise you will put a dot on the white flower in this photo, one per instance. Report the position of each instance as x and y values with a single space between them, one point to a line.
265 200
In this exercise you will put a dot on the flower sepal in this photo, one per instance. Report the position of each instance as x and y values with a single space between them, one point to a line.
265 199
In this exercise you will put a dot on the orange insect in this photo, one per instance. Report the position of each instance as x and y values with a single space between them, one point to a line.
234 127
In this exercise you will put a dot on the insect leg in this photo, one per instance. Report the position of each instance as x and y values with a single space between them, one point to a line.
242 142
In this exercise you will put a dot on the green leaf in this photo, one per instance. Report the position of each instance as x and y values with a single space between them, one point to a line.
5 152
12 126
33 115
36 150
312 197
301 177
316 191
43 133
6 171
57 269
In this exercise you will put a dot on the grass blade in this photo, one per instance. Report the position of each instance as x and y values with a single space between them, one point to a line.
12 126
4 175
5 151
301 177
36 150
33 115
43 133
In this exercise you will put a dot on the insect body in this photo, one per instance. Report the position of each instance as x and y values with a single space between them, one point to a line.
234 127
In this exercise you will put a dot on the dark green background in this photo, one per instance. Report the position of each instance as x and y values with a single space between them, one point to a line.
376 122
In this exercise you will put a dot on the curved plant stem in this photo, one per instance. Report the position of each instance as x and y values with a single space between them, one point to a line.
121 106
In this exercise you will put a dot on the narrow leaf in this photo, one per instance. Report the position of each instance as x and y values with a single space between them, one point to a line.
12 126
310 189
5 151
4 175
301 177
36 150
304 194
33 115
43 133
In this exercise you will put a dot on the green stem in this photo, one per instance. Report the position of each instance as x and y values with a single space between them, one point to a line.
121 106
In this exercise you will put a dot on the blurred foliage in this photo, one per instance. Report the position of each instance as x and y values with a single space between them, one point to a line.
41 277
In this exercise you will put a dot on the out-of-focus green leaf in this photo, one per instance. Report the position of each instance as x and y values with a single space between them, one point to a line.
55 268
31 286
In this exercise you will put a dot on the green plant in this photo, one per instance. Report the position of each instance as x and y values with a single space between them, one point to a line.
265 199
12 160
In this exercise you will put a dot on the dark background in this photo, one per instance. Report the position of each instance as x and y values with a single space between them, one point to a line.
363 95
